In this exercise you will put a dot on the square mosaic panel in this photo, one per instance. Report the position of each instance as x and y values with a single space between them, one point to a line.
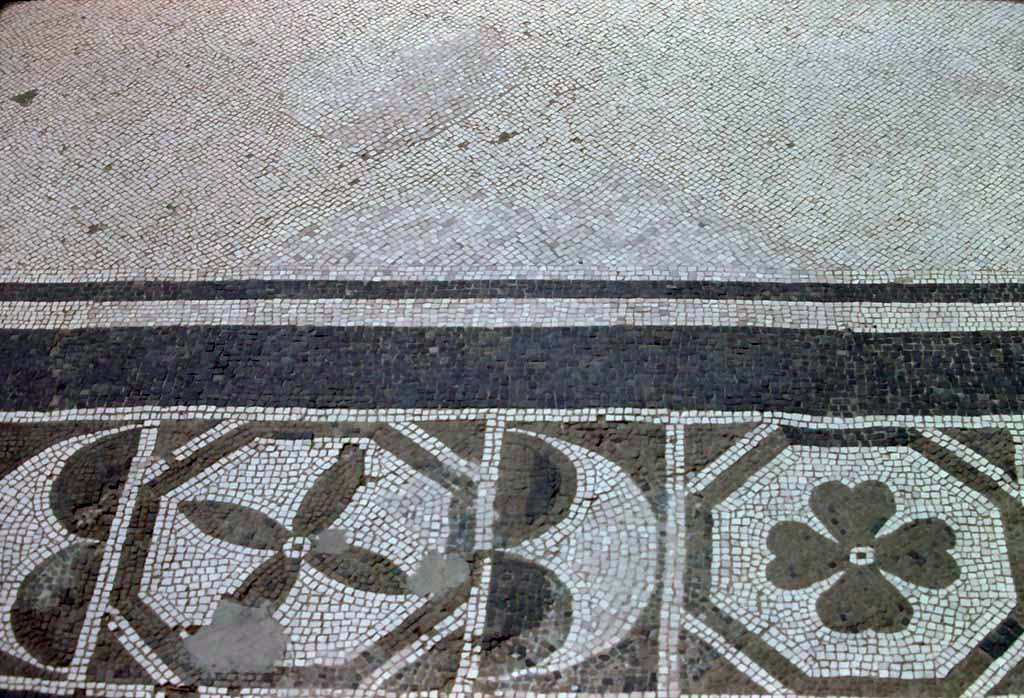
431 490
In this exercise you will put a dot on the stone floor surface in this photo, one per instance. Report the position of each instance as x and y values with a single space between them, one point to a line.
517 349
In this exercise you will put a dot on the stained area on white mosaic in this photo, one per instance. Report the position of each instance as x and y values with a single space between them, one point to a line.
735 138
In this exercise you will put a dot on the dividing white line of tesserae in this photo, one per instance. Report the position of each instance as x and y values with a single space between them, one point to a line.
866 317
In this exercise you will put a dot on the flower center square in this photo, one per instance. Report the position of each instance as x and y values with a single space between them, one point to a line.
862 555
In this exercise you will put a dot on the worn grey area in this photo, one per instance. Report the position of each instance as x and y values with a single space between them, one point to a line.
238 639
728 138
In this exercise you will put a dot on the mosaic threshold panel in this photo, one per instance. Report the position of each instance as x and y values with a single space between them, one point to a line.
511 489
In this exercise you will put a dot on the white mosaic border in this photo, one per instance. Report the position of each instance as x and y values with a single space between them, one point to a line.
113 548
476 616
671 612
616 414
66 688
860 317
996 671
520 273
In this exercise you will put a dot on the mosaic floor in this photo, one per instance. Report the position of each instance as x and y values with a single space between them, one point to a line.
512 349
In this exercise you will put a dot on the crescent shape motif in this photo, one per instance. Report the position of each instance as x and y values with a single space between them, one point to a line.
31 531
609 514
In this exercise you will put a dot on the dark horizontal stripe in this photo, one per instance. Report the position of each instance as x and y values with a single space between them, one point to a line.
233 290
816 372
831 438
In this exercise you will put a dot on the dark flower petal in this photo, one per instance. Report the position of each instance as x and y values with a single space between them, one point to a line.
863 599
269 583
236 524
802 556
853 516
362 569
917 553
331 493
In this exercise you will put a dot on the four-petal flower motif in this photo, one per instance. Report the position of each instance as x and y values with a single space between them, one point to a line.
862 598
296 546
324 533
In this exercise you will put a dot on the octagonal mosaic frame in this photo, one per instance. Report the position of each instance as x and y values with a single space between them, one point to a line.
755 450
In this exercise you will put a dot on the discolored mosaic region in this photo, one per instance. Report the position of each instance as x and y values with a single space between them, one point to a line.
749 139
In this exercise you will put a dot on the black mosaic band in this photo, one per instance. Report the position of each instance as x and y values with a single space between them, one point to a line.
511 288
723 368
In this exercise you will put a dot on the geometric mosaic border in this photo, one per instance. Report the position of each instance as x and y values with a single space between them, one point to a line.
681 480
534 489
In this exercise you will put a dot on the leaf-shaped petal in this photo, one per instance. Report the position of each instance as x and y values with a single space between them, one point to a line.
362 569
235 524
802 556
917 552
863 599
853 515
331 493
269 583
